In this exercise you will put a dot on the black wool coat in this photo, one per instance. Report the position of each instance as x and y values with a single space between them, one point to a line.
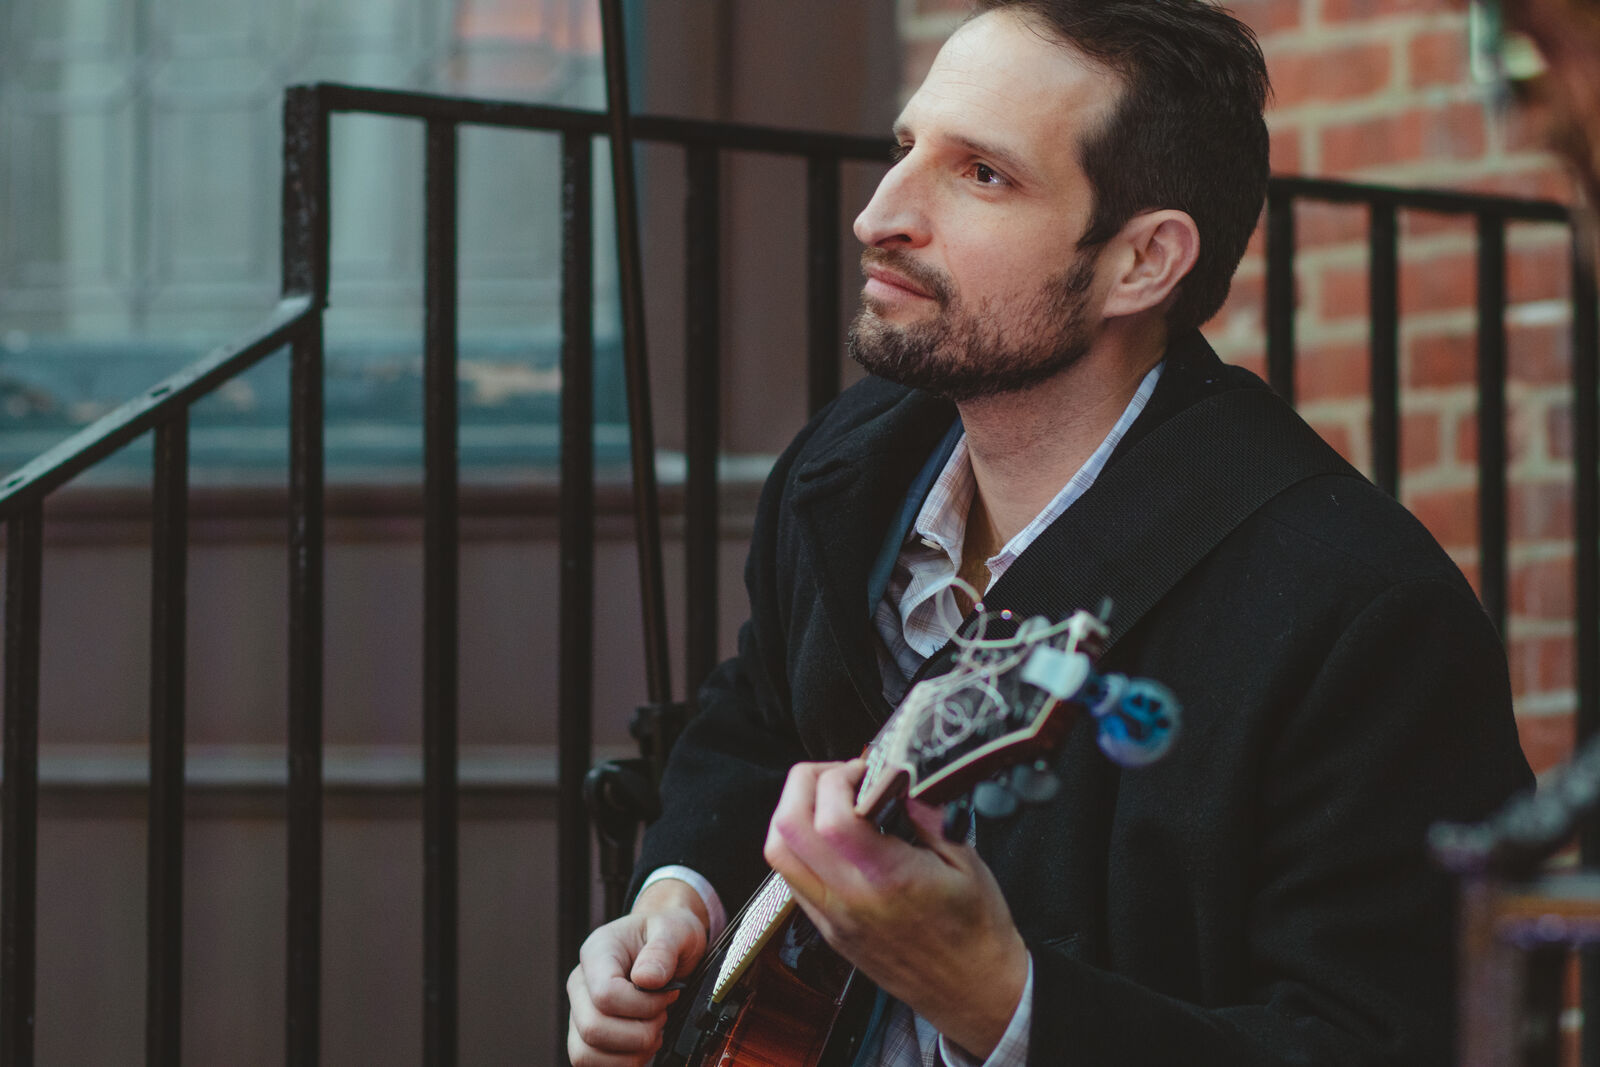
1261 895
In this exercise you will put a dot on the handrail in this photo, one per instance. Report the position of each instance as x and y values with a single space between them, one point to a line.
35 480
741 137
1450 201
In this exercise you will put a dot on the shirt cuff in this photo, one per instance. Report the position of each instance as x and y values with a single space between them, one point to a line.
717 917
1012 1051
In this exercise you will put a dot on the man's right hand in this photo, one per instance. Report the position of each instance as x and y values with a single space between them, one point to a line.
617 1010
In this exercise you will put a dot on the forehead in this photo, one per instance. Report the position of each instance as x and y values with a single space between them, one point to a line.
1002 76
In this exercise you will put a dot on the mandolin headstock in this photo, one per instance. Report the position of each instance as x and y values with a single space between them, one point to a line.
989 725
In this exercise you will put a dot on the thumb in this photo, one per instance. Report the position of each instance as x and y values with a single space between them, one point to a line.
673 945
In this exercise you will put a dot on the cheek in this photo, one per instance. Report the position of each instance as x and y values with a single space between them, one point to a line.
997 260
1004 281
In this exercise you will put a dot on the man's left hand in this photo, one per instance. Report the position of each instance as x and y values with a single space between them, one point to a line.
920 920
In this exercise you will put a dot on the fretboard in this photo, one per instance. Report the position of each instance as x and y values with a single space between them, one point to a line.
760 919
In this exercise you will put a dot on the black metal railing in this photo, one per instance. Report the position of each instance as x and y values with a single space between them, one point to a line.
297 325
1492 215
1545 981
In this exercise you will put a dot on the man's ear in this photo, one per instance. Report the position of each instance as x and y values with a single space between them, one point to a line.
1157 249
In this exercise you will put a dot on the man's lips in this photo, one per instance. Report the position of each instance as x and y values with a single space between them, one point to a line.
885 283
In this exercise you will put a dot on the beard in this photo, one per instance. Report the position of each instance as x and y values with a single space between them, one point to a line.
966 353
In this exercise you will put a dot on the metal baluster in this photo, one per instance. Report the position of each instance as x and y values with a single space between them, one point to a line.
19 795
1492 416
575 702
1586 550
1383 246
703 365
641 432
441 607
1280 292
168 637
305 271
822 280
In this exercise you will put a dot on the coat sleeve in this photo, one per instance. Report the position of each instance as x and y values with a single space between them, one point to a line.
1348 931
726 771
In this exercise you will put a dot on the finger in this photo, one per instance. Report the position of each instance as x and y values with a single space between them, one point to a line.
581 1056
604 961
853 840
791 831
793 818
591 1031
674 944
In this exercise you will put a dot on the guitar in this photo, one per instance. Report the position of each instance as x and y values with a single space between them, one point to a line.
977 739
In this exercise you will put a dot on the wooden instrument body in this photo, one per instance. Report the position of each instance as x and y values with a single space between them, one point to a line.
772 993
799 1004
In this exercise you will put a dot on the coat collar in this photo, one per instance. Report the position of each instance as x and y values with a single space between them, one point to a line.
848 492
845 498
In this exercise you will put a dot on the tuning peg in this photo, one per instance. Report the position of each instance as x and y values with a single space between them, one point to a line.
1141 727
994 800
958 821
1061 674
1102 692
1035 784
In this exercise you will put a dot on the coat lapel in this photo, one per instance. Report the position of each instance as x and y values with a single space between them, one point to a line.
845 499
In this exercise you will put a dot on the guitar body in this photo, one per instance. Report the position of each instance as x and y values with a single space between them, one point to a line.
798 1004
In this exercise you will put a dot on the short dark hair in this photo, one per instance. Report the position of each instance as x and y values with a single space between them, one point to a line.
1187 130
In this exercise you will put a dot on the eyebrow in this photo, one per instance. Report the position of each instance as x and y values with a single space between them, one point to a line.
1008 160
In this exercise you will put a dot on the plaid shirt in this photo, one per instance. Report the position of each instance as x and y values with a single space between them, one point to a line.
915 618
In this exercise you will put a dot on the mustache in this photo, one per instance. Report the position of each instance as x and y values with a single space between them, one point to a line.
930 279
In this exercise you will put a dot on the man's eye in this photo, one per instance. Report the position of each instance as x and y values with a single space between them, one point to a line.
986 175
899 152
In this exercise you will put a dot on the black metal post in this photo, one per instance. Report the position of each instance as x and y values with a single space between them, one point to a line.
1586 501
305 271
703 387
304 995
19 794
576 593
1586 563
441 606
1492 416
641 431
168 636
1384 254
1280 292
822 280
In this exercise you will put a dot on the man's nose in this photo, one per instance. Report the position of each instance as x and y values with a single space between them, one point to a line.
897 213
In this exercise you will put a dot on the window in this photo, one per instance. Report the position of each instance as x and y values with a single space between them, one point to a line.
140 158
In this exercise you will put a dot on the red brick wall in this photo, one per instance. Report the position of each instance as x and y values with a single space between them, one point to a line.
1378 90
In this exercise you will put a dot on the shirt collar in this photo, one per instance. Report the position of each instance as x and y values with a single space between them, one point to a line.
942 522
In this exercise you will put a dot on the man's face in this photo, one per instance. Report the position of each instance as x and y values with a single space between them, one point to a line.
974 283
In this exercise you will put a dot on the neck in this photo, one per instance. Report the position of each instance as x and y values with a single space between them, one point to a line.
1026 445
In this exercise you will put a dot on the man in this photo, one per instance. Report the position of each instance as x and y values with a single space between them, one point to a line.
1075 184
